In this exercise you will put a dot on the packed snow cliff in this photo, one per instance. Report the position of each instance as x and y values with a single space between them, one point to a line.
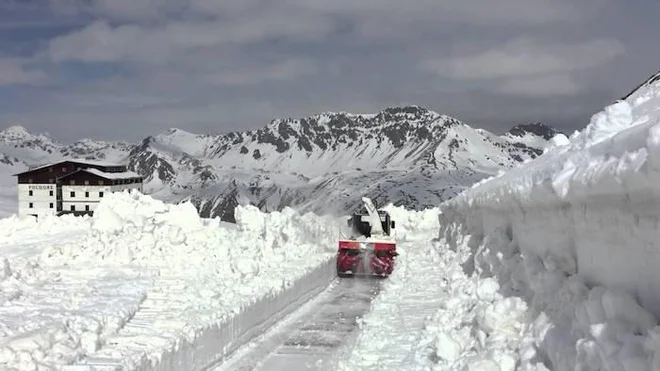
575 233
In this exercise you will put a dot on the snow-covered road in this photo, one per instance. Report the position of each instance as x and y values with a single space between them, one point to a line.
313 337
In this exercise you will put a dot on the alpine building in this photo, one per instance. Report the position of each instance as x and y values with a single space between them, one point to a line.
71 187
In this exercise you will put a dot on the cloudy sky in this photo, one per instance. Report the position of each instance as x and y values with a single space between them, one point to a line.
124 69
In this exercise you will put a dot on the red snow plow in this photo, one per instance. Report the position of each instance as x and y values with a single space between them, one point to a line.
371 248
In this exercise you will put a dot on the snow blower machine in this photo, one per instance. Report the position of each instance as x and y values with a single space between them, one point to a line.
370 249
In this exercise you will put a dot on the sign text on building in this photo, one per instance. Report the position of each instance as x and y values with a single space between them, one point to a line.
41 186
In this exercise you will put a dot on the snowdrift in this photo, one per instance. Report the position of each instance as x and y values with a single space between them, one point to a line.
575 233
149 281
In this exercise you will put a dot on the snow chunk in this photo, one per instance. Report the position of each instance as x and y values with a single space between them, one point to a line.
606 123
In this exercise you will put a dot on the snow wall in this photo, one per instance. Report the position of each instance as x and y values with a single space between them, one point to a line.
576 234
195 289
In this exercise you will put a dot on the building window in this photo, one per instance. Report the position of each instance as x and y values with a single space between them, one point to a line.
100 194
30 180
72 182
30 205
51 205
86 194
86 207
30 193
86 182
50 193
73 207
72 194
50 180
100 182
64 169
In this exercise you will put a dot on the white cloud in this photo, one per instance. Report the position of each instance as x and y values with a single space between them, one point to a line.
125 10
100 42
218 63
285 70
541 87
14 72
473 12
524 57
479 12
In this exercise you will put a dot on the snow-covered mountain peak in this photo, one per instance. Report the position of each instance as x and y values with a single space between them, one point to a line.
322 163
410 113
172 131
176 132
98 149
178 140
643 88
15 132
17 142
538 129
388 129
18 133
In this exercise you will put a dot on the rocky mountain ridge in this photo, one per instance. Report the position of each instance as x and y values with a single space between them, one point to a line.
323 163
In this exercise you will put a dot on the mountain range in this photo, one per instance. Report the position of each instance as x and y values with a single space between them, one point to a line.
325 163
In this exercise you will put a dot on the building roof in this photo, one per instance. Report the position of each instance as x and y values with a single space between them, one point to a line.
75 161
122 175
94 163
104 175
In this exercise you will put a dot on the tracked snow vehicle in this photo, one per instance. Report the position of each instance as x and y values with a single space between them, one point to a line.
370 249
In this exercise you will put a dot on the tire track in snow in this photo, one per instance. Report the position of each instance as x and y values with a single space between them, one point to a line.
394 327
432 315
314 336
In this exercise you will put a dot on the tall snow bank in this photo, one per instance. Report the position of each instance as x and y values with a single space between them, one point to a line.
204 276
135 229
575 232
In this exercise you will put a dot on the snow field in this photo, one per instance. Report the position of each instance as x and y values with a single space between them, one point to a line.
574 233
181 278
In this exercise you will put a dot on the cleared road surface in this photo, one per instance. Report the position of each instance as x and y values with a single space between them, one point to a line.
313 337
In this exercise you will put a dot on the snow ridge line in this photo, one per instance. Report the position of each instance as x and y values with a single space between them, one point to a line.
202 348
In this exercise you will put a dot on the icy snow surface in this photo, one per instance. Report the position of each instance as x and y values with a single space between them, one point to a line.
575 234
77 298
315 336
